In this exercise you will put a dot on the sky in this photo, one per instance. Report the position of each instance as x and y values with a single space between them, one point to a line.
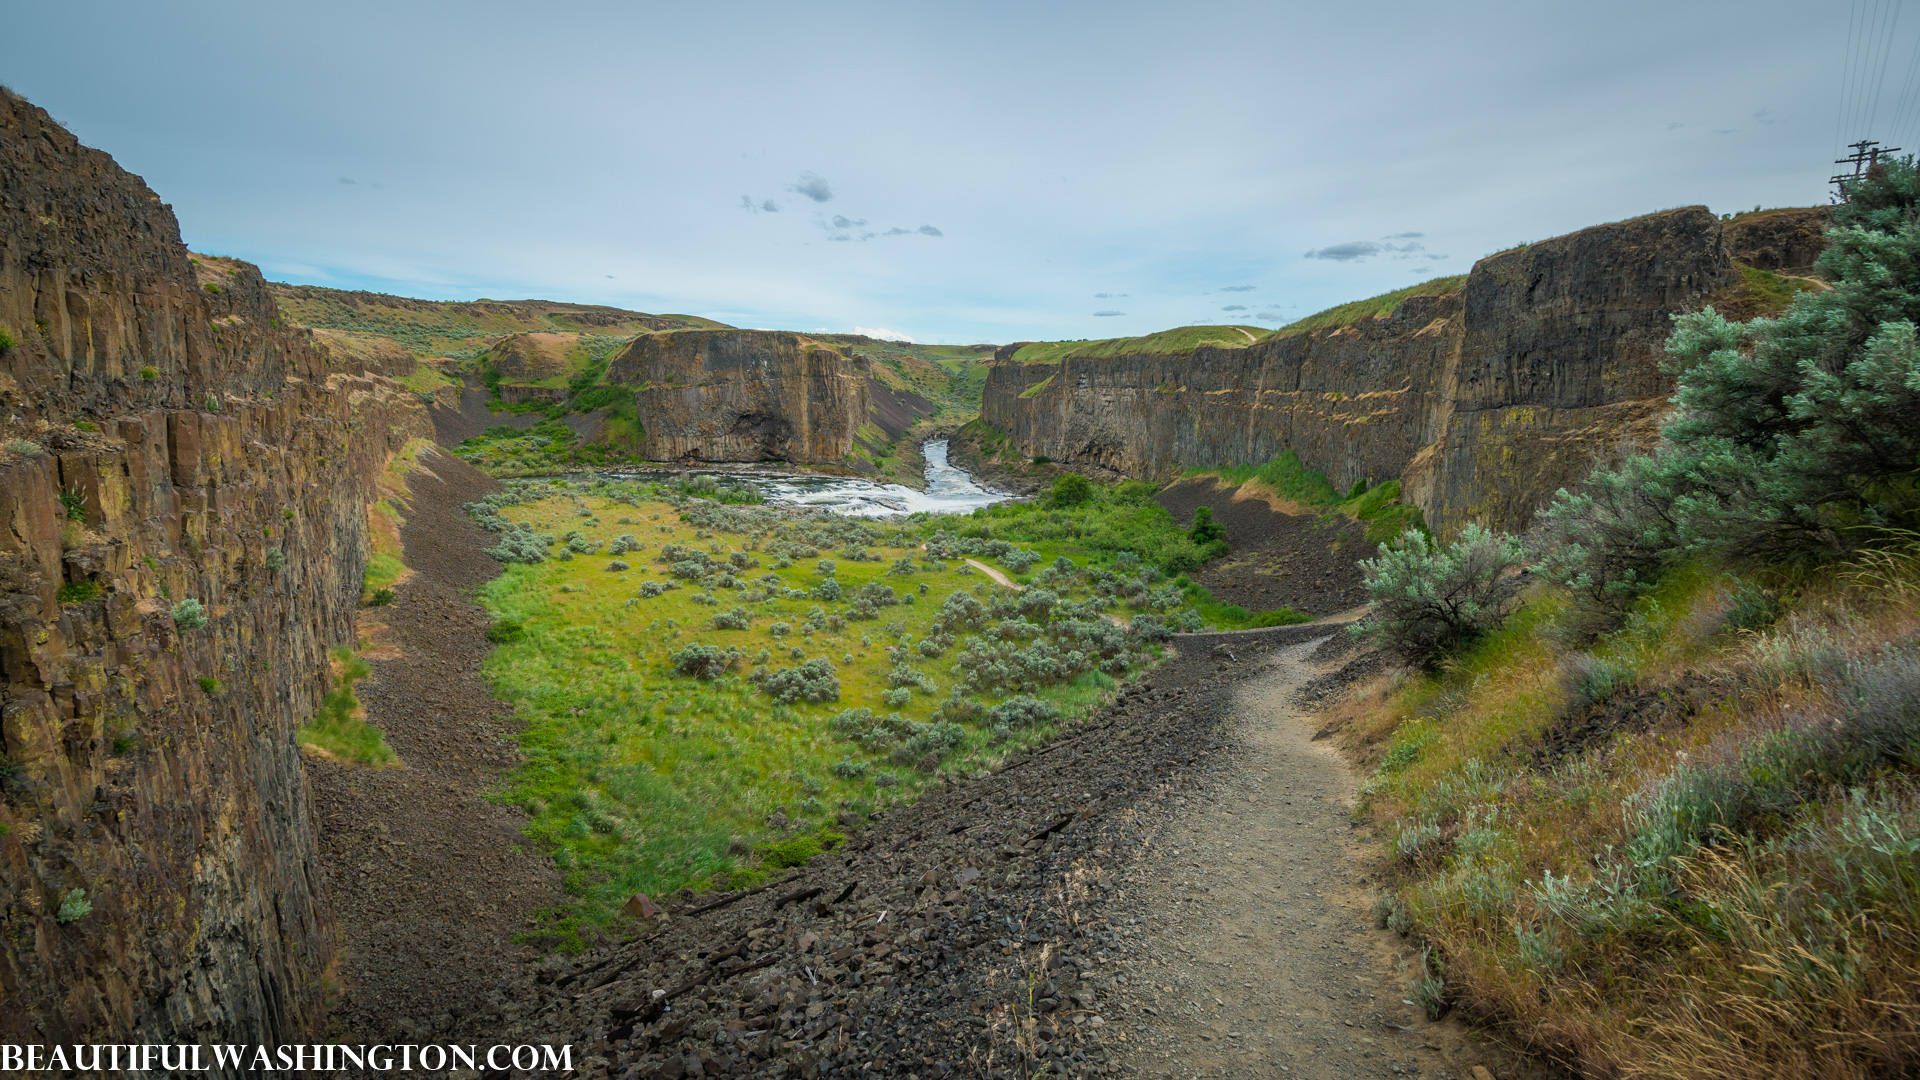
953 173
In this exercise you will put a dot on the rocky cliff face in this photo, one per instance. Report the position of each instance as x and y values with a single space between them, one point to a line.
165 442
743 395
1484 401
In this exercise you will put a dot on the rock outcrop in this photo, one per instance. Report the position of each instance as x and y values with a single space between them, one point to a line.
743 395
167 447
1483 399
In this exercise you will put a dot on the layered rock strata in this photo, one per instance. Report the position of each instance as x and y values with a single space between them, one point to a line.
743 395
1483 400
184 485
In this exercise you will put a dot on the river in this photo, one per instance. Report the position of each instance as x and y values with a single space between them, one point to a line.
950 489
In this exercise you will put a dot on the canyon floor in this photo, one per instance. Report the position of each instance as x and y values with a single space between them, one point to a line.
1174 889
429 879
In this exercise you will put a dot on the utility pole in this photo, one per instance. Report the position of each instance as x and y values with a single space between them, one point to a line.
1866 154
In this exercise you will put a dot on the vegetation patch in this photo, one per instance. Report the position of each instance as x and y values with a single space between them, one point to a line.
340 732
1377 307
1378 507
1727 887
1176 342
705 681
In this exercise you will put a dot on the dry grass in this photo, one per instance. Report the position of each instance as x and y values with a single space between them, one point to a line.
1786 944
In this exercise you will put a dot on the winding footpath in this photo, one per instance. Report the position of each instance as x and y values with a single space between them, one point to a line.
1263 959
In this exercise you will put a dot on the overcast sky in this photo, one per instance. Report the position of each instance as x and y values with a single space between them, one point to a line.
958 172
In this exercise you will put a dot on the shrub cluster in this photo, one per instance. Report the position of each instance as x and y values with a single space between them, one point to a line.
1428 599
702 661
904 741
813 680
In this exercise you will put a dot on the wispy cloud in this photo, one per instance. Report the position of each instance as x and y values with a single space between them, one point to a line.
1234 307
813 186
882 334
753 206
843 228
1360 250
1236 288
1348 252
1108 295
1107 314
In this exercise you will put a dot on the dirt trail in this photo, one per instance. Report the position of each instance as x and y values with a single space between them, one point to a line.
996 575
1264 960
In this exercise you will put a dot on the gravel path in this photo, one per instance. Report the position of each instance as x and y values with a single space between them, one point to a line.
1263 960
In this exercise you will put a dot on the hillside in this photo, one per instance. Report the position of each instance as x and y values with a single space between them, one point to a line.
462 330
526 387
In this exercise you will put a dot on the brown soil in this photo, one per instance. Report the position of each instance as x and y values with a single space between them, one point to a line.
1672 706
429 880
1276 559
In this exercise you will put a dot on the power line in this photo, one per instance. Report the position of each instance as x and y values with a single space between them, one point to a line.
1846 70
1886 52
1863 67
1903 114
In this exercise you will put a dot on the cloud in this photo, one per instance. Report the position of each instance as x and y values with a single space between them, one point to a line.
840 222
813 186
770 206
884 335
1676 125
928 230
348 180
1347 252
897 231
767 205
1108 295
1725 131
1267 315
1236 288
1105 314
1407 236
1234 307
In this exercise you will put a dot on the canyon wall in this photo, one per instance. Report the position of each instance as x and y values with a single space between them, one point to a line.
163 440
743 395
1483 400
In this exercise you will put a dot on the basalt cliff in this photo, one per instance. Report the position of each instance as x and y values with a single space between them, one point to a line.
1483 398
184 485
744 395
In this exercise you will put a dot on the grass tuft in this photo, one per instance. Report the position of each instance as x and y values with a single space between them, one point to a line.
340 732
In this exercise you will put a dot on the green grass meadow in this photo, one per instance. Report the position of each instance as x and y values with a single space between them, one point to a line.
641 779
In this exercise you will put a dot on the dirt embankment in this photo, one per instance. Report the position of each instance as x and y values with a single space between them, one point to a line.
1306 561
429 879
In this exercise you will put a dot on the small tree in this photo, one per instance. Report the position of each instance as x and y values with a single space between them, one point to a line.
1207 535
1429 600
1072 489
